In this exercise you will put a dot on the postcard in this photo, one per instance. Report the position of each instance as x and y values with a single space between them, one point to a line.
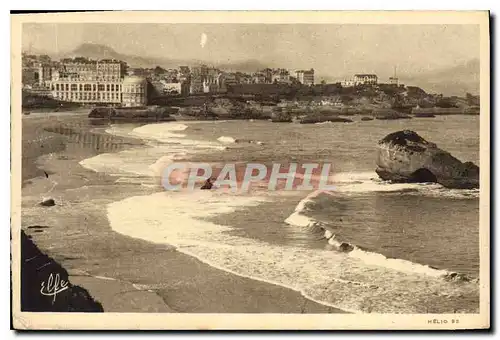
251 170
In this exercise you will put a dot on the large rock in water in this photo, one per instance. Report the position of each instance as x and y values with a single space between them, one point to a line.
405 157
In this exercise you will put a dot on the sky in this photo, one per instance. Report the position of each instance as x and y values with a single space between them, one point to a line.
331 49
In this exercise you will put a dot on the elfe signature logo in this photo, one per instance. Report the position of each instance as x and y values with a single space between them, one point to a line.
53 286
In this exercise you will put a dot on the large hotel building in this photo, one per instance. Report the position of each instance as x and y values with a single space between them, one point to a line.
88 81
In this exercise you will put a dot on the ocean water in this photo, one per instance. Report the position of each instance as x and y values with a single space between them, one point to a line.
413 248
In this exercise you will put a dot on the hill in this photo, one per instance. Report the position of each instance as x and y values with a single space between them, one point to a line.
98 51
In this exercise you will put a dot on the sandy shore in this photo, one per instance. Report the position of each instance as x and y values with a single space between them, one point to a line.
122 273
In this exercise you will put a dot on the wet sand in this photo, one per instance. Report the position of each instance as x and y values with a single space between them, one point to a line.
122 273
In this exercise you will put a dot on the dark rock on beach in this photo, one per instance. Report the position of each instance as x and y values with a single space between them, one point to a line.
366 118
346 247
133 114
457 277
41 276
389 114
405 157
424 115
323 119
48 202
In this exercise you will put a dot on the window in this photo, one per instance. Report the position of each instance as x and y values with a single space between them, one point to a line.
100 87
107 87
80 87
93 87
87 87
74 87
67 87
57 87
112 87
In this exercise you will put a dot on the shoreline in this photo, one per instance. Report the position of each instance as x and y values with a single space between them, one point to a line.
281 300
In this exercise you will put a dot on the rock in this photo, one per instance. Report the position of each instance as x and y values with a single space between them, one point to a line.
102 112
389 114
405 157
366 118
36 269
208 185
346 247
323 119
457 277
49 202
424 115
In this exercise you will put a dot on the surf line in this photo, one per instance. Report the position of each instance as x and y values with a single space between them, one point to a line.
299 219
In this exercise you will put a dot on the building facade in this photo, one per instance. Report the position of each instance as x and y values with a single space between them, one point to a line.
347 83
86 91
259 78
134 91
394 81
83 80
196 84
305 77
281 76
365 79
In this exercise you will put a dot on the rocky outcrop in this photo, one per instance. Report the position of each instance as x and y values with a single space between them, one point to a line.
141 113
44 282
424 115
406 157
324 119
389 114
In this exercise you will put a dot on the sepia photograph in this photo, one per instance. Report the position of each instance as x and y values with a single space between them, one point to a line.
250 170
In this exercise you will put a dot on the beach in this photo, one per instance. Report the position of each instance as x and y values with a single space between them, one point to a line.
136 247
124 274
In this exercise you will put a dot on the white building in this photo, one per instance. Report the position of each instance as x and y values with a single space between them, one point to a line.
363 79
347 83
305 77
134 91
393 81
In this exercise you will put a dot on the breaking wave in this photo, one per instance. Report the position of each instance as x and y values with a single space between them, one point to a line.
300 219
365 182
349 279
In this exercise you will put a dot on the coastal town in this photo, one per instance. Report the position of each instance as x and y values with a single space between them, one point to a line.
206 91
227 166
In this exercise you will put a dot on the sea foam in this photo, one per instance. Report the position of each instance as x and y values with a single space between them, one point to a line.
332 278
299 219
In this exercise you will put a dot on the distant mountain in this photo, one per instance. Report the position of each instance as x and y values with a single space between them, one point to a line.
98 51
456 80
247 66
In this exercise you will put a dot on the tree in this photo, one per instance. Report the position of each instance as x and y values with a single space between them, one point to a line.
159 70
